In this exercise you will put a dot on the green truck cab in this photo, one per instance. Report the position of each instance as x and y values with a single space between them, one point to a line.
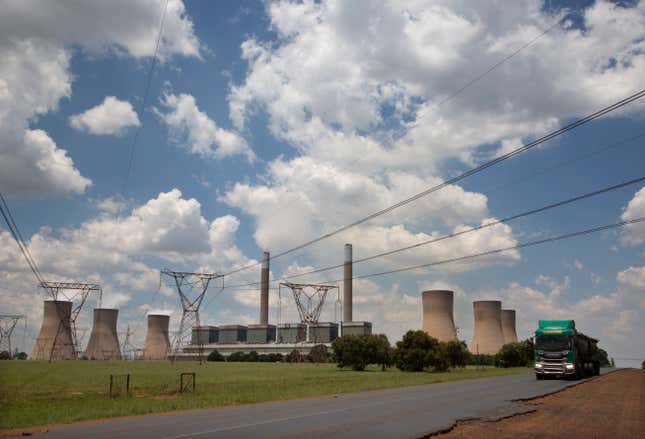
561 351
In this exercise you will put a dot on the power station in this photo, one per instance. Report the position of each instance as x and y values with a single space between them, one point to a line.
488 337
54 340
508 326
157 343
104 340
438 318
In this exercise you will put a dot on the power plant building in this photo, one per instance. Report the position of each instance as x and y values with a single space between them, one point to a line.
104 340
55 339
292 333
347 284
508 326
488 337
356 328
204 335
231 334
322 332
438 320
260 333
157 343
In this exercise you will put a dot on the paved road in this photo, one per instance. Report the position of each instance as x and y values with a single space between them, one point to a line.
406 412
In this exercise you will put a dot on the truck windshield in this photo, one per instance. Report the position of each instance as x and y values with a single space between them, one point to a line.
552 342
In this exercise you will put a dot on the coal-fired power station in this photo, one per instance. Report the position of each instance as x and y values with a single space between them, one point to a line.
347 284
157 343
488 337
508 326
54 341
438 320
264 290
104 340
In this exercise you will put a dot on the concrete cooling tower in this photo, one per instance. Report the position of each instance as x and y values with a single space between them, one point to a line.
104 341
488 337
438 321
508 326
157 344
54 340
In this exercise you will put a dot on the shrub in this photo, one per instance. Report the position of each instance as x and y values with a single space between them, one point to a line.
5 355
456 353
21 356
252 357
215 356
318 354
518 354
237 357
416 351
294 357
601 357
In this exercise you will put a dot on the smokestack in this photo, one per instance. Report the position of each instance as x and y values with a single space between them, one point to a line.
508 326
438 319
264 290
347 284
488 337
104 341
157 344
55 340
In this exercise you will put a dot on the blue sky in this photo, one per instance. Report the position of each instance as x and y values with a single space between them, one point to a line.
280 121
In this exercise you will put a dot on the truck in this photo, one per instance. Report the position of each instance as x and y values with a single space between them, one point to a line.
561 351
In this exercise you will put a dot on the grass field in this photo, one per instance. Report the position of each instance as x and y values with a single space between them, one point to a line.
39 393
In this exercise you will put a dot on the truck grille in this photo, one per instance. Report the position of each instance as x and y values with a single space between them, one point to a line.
553 365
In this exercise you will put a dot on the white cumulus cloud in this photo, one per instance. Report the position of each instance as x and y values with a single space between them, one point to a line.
112 116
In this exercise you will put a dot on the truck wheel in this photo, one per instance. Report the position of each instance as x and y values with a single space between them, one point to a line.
539 376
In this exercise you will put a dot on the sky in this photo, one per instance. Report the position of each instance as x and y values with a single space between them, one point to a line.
266 124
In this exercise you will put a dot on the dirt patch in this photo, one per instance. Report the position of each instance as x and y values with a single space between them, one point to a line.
611 406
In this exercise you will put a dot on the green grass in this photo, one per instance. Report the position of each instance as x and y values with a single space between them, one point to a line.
38 393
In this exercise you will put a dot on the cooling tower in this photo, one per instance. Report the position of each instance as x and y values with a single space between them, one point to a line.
347 284
54 340
508 326
157 344
104 341
264 290
437 314
488 337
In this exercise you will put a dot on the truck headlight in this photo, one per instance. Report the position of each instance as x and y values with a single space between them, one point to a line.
538 365
570 366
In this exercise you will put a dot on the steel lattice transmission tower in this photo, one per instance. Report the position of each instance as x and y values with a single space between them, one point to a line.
77 293
191 288
8 323
310 299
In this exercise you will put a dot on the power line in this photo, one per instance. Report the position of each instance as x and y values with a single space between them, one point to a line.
17 236
457 178
464 232
137 132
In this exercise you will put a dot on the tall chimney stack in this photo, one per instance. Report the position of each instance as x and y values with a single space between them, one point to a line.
347 284
264 290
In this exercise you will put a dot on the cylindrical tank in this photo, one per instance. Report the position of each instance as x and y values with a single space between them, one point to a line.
54 341
488 337
264 290
157 343
508 326
104 340
347 284
438 314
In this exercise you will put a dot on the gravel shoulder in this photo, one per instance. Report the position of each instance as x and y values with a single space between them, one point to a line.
610 406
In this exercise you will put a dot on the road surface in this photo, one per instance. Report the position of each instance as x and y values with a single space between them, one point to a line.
404 412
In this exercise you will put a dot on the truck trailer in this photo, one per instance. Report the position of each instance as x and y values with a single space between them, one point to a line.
561 351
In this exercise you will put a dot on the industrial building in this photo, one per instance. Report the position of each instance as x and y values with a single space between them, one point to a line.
104 340
508 326
55 340
488 337
356 328
262 333
157 344
438 320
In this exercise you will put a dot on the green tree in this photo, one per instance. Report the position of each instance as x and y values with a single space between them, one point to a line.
5 355
359 351
236 357
380 350
252 357
294 357
601 357
318 354
456 353
215 356
518 354
417 351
